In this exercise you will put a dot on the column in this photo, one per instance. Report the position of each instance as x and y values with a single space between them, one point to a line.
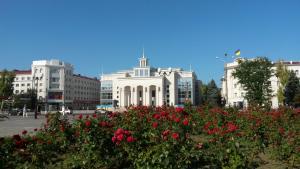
132 96
158 95
145 94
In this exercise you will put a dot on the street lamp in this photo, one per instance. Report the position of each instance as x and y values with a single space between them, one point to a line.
225 75
164 74
37 99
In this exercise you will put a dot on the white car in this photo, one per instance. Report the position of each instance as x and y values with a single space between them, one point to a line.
67 111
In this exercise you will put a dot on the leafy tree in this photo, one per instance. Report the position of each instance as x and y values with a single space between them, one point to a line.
213 94
29 98
254 76
282 73
292 89
6 85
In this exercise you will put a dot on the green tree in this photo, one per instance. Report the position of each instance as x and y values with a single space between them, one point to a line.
213 94
29 98
6 85
254 76
282 73
292 89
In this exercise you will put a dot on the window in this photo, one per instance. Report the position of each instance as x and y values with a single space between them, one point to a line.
22 84
28 84
23 78
17 91
235 94
40 90
16 78
28 78
235 85
296 72
17 85
141 72
22 91
41 84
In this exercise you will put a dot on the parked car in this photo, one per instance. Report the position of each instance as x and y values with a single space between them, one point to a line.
67 111
15 112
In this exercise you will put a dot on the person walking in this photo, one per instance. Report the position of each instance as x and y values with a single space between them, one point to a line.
24 111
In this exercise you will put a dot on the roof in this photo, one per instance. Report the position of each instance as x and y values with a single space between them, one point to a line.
19 72
85 77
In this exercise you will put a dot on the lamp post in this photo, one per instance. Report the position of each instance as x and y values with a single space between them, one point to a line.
164 74
225 76
37 99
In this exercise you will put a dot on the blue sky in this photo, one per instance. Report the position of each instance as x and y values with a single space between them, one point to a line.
175 33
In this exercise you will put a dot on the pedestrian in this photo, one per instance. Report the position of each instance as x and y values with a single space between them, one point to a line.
24 111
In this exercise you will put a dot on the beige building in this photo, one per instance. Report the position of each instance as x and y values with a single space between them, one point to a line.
146 85
233 92
57 85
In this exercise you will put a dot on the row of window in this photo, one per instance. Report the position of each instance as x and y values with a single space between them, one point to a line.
22 78
24 84
141 72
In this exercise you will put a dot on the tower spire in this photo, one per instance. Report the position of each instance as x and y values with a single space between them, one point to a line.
143 53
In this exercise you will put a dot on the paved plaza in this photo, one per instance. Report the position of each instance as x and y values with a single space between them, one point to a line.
16 124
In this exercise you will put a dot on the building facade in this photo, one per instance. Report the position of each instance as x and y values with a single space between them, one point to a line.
56 85
233 92
145 85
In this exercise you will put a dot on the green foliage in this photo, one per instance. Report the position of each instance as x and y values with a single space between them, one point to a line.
254 76
292 90
211 94
6 85
282 73
161 137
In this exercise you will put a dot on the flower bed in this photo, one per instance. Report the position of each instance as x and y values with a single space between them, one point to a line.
161 137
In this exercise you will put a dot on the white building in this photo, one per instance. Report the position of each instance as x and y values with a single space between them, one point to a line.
233 92
145 85
56 85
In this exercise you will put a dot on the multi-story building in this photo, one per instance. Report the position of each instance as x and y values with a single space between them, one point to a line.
22 81
145 85
233 92
56 85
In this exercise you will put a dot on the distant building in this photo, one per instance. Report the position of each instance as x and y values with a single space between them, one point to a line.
145 85
233 92
56 85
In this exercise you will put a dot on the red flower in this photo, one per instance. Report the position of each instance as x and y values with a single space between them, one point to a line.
281 130
231 127
213 131
95 115
80 116
154 125
113 139
175 136
87 116
35 129
177 119
207 125
119 131
120 137
127 133
88 123
166 132
17 137
179 109
49 142
62 128
24 132
102 123
185 122
130 139
156 116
